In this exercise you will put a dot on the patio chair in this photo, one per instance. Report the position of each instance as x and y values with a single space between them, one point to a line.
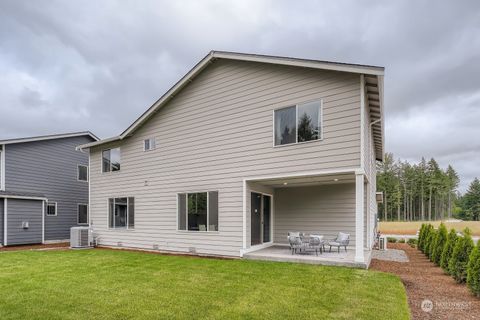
316 243
295 243
341 240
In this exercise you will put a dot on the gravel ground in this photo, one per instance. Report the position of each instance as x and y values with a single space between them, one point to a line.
390 255
431 293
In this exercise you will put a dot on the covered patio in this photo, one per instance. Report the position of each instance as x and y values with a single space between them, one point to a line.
322 203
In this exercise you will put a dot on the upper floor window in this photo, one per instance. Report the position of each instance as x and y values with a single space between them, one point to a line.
148 144
111 160
299 123
82 173
198 211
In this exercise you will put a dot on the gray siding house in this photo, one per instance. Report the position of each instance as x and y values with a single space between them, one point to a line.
44 187
242 150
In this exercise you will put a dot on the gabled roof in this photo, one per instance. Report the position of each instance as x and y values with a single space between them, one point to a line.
50 137
368 70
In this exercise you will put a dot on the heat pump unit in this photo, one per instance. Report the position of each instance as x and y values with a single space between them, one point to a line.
80 237
382 243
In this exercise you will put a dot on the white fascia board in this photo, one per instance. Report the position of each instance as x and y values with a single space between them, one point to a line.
97 143
50 137
324 65
23 197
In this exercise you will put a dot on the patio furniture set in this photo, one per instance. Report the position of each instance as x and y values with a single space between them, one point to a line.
303 243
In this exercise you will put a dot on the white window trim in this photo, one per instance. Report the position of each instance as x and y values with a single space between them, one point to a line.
150 143
296 124
128 216
208 213
2 168
56 209
78 213
101 161
78 172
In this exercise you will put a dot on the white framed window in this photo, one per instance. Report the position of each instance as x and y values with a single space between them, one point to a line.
82 213
82 173
149 144
111 160
51 209
298 123
121 213
198 211
2 168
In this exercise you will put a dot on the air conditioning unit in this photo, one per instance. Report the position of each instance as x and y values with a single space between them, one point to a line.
80 237
382 243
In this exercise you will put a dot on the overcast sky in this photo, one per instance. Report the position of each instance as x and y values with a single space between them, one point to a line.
97 65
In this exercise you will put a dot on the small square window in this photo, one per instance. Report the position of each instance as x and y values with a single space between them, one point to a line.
149 144
51 209
82 173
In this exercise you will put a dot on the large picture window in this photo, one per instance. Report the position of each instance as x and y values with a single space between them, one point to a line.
121 213
111 160
198 211
300 123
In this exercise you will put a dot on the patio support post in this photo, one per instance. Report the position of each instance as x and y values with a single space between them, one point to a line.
359 216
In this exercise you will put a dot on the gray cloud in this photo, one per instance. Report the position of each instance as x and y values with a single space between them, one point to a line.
67 66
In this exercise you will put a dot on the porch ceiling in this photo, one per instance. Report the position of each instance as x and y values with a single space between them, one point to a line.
303 181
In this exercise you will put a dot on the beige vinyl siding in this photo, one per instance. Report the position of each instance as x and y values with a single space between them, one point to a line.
213 134
370 171
323 209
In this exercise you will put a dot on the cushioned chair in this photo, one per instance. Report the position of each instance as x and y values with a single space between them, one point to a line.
316 244
341 240
295 243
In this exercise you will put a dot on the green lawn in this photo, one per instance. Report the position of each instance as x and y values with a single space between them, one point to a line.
114 284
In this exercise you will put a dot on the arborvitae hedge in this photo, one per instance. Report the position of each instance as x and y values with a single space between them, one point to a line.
439 244
431 242
421 237
473 270
459 260
448 250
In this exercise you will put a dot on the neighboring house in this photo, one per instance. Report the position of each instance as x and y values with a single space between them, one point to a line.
243 149
43 187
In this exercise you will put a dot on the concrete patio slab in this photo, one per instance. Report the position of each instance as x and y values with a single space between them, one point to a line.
283 254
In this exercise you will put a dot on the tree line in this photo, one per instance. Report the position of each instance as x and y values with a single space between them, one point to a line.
420 191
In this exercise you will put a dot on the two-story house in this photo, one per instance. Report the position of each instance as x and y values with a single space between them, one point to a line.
43 187
242 150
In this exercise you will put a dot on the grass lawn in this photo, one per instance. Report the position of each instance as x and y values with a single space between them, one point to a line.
115 284
399 227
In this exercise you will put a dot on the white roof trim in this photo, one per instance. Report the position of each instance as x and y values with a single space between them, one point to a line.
305 63
50 137
3 196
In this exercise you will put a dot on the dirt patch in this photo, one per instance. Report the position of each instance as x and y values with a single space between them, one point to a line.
428 286
36 247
